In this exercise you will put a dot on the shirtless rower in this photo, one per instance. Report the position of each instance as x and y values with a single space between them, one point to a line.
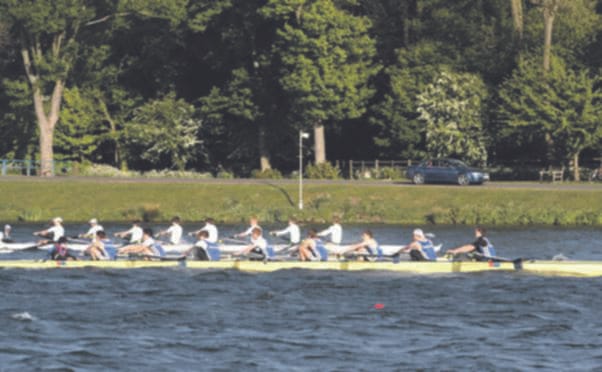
481 248
148 247
101 249
421 248
368 247
174 231
311 248
134 233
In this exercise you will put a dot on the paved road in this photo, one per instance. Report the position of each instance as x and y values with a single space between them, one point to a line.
585 186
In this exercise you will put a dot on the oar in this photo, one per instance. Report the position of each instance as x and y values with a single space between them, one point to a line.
233 240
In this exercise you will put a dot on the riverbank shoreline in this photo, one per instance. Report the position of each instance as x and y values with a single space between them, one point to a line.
233 201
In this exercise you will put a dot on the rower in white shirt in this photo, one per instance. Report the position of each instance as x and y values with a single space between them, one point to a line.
94 228
135 233
254 224
147 247
5 236
53 233
292 231
335 231
174 231
212 232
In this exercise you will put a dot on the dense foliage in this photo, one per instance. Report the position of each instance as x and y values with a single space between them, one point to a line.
225 85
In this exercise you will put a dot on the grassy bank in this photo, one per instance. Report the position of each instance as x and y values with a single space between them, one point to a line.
75 201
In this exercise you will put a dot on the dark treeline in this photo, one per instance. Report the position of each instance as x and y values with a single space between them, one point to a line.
228 84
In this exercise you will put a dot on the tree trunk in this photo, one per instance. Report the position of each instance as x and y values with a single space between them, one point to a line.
264 153
576 172
319 143
46 151
548 16
517 17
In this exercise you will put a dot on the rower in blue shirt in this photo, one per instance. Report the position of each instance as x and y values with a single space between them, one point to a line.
421 248
59 251
481 249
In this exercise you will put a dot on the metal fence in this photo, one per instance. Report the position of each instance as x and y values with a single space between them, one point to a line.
32 167
362 169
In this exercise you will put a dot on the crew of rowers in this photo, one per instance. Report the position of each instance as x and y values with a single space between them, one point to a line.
315 247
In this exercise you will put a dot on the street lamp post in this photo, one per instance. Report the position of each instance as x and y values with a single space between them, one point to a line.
302 135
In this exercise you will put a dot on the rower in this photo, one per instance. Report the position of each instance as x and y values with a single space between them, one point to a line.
481 249
174 231
203 249
368 247
148 247
312 249
254 224
101 249
53 233
94 228
59 251
213 234
293 232
335 232
421 248
5 236
258 250
135 233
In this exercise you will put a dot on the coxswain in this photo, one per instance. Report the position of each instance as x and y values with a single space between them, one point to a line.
421 248
253 224
134 233
148 246
293 232
54 233
312 249
94 228
258 249
368 247
59 251
101 249
212 232
174 231
481 249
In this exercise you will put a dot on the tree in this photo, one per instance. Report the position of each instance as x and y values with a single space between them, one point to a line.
517 17
48 34
566 106
327 62
163 133
452 109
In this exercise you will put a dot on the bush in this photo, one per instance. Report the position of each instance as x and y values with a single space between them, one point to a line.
225 175
103 170
272 174
167 173
389 173
323 171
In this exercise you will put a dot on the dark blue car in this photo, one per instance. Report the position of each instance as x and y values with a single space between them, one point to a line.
445 171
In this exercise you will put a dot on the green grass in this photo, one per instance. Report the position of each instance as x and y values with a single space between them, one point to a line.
77 201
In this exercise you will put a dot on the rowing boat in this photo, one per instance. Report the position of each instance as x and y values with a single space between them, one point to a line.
169 248
546 268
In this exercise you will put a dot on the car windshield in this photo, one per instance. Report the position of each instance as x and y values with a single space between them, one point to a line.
457 163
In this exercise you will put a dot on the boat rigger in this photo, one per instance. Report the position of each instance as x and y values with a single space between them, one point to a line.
545 268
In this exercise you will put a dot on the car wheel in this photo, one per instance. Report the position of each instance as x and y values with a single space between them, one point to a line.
418 179
463 180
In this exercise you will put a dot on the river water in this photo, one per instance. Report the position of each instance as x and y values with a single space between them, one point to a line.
182 319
